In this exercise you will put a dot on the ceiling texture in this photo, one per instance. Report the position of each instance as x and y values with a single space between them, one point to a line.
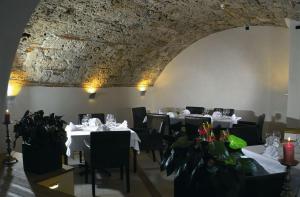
107 43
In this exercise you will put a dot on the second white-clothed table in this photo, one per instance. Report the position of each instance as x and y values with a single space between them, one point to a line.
76 134
222 121
272 165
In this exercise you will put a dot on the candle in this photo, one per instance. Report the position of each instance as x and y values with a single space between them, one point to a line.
288 152
7 117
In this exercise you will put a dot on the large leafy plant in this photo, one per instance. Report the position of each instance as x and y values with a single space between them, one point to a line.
209 164
41 131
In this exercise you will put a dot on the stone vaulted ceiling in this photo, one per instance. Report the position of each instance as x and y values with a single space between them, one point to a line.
123 42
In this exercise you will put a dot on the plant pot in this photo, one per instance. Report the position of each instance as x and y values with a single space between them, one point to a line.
41 160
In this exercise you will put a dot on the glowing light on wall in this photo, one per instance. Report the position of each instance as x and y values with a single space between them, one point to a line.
14 88
142 87
91 87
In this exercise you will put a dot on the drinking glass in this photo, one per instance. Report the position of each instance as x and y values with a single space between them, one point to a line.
110 120
85 120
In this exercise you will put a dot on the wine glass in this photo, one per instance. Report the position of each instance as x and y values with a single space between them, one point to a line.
85 120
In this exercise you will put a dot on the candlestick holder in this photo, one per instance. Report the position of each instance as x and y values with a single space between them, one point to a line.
9 159
286 188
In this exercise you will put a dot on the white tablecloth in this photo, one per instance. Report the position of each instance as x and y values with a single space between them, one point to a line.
274 166
223 121
75 138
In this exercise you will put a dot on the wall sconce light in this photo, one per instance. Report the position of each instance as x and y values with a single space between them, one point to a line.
142 90
91 91
13 89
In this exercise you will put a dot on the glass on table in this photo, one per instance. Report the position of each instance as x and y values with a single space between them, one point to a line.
110 120
85 119
205 111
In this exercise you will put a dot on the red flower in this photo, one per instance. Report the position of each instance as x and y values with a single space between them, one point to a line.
211 138
202 131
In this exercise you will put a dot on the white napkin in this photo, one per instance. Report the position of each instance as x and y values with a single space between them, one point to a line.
217 114
272 143
72 127
186 112
171 114
122 126
95 122
272 152
145 119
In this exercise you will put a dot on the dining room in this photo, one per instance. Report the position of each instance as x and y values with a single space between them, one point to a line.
237 63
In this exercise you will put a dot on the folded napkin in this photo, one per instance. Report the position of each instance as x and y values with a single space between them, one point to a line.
272 152
120 127
95 122
73 127
145 119
272 143
217 114
171 114
186 112
123 125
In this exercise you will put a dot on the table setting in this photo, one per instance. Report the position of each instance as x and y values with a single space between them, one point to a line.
277 157
76 134
217 118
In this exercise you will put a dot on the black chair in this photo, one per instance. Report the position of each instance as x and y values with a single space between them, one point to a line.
231 111
195 110
96 115
139 114
248 133
108 149
153 139
258 127
192 124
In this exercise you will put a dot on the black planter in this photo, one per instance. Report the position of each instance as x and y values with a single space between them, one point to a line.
41 160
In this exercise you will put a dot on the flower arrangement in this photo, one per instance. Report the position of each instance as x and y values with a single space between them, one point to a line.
209 163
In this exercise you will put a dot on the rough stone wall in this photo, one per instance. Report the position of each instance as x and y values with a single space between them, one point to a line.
122 42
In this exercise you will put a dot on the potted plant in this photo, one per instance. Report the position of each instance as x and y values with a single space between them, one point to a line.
44 140
208 164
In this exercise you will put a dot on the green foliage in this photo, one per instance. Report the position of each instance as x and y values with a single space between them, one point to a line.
236 142
200 165
39 131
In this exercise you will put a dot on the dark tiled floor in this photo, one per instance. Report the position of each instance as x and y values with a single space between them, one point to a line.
149 181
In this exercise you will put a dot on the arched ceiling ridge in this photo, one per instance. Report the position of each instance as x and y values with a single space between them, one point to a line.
122 42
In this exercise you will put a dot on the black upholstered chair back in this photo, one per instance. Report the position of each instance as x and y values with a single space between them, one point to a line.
138 114
260 124
95 115
231 111
195 110
154 121
192 124
159 123
109 149
249 133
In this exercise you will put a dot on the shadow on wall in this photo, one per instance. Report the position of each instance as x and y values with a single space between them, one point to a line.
269 126
292 122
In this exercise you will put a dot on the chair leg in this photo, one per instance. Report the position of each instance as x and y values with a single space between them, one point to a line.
86 172
127 179
134 160
121 172
66 161
80 156
153 154
93 182
161 154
